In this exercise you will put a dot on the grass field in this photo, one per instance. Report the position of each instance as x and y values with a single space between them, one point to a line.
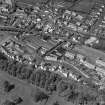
84 5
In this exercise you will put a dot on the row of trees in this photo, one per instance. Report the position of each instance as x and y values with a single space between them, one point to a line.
78 94
46 80
70 90
40 78
39 95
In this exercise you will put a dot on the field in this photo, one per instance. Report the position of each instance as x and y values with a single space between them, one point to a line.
84 5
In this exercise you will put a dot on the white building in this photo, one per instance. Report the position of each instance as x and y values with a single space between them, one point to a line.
100 62
70 55
79 17
89 65
80 58
51 58
101 71
91 40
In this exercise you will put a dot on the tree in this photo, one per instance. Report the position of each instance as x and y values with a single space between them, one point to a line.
12 68
99 45
72 96
48 73
53 82
61 50
18 100
39 96
46 37
56 103
51 87
28 10
43 79
48 83
3 65
32 78
25 73
2 56
38 78
7 86
62 87
87 95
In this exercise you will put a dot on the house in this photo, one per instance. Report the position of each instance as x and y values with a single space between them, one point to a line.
101 71
67 11
43 50
91 40
51 58
74 14
67 45
100 62
69 55
80 29
4 17
78 23
89 65
81 58
79 17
